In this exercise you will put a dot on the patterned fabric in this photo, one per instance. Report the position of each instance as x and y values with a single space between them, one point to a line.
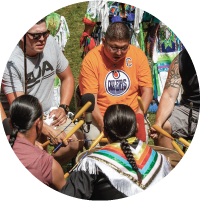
142 38
57 81
148 161
99 12
58 28
89 45
53 23
165 59
164 47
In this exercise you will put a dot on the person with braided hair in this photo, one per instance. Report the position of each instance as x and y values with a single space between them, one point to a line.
127 165
120 169
26 118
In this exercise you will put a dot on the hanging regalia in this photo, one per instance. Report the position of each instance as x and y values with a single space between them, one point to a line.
58 28
53 23
113 163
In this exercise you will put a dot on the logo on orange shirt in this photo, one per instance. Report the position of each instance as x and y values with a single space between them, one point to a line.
117 83
128 62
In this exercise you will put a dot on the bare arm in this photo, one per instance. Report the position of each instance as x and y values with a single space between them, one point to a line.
67 90
46 130
96 114
147 96
3 114
12 96
67 85
170 93
58 180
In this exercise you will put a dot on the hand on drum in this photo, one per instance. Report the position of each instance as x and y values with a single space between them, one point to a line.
153 134
59 118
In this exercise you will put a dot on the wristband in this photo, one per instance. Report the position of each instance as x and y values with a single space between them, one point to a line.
65 107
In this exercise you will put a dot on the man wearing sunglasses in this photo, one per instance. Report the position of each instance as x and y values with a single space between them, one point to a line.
116 73
44 60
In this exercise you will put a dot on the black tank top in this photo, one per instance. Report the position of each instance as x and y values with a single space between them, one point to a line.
189 81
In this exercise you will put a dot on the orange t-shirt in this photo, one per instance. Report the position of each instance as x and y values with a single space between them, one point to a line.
115 85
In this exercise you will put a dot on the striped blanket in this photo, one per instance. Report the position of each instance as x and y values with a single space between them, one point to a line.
111 161
148 161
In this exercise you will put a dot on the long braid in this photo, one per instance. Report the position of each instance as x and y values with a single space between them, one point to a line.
127 151
120 124
24 111
13 136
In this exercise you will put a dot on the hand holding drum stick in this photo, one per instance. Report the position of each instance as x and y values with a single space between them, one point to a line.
160 130
76 127
181 141
78 115
98 139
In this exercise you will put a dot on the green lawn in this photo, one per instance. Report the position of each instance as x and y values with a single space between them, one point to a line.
74 15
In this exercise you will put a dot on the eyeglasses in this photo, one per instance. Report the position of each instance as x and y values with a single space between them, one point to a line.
37 36
115 49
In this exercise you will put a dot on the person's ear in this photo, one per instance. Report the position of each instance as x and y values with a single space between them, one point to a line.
103 41
38 122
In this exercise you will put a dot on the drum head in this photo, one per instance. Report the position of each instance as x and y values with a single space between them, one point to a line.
172 156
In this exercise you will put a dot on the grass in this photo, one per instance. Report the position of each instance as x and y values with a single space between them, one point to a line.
74 15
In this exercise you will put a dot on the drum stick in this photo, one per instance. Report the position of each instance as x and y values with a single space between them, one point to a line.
92 146
177 148
96 141
78 115
183 142
140 102
76 127
85 140
82 110
160 130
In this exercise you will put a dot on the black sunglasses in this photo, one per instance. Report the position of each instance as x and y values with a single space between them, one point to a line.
37 36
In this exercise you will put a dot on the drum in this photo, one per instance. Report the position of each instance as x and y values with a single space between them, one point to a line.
172 156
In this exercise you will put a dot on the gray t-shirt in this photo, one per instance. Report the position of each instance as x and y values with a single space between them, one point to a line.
41 71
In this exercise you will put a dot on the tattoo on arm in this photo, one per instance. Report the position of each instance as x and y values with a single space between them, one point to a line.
174 78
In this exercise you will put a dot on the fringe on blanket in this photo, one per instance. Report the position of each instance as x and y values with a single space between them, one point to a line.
121 182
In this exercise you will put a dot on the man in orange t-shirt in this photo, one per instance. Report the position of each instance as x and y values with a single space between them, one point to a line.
116 73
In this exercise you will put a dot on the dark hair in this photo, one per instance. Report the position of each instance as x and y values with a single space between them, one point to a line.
120 124
117 31
41 21
24 111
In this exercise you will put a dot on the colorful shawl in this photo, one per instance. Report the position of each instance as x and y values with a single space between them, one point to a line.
148 161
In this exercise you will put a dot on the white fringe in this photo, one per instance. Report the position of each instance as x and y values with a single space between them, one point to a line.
121 182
